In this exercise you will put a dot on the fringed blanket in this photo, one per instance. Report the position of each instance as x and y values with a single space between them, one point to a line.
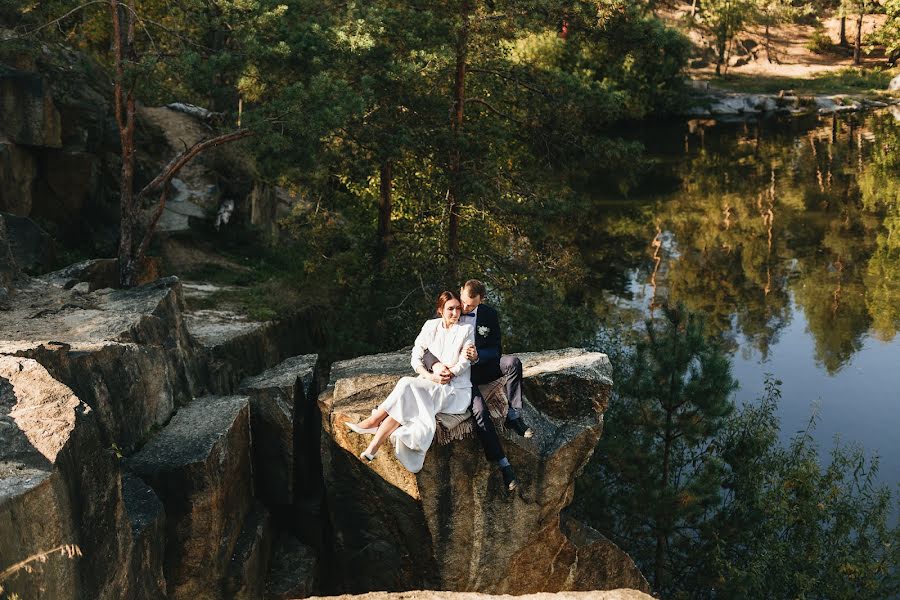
459 427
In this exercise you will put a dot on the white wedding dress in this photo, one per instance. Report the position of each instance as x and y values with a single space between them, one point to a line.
415 401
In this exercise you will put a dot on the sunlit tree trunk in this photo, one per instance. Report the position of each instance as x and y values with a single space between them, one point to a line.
454 197
123 98
385 206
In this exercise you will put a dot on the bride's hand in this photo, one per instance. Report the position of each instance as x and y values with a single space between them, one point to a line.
440 378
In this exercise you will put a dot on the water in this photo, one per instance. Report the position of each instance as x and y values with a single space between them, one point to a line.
785 234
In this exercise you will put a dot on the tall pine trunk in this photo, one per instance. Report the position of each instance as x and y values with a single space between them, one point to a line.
385 206
123 50
454 197
843 41
857 47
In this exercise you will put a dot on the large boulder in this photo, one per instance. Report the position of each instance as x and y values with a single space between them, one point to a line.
199 466
62 516
894 85
452 526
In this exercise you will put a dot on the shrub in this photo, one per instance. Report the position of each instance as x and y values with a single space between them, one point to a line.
819 42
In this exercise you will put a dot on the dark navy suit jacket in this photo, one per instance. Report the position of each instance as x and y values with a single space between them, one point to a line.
489 345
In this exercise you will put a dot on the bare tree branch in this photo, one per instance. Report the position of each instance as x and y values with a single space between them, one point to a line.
172 169
494 110
182 159
64 17
507 77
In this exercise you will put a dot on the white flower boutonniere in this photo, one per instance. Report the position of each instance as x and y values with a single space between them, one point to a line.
483 331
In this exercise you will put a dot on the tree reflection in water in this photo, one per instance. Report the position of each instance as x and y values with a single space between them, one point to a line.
766 217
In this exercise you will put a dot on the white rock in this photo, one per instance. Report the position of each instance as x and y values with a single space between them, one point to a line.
894 85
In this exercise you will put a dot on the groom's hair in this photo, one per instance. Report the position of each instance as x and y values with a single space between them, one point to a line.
475 288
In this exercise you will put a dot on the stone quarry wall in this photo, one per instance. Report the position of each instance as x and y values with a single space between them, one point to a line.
149 452
127 472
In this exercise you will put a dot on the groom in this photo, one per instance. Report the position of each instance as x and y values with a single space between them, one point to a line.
488 364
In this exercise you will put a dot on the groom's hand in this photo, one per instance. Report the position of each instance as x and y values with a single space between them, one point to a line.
472 353
441 373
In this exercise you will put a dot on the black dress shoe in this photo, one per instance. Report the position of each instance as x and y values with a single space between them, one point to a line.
520 426
509 478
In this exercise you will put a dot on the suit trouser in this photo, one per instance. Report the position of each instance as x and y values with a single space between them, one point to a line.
511 367
484 426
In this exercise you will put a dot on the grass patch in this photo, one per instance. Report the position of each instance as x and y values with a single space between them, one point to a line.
845 81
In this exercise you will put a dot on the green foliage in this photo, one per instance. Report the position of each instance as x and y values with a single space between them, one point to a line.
723 20
888 35
819 42
789 525
658 475
743 516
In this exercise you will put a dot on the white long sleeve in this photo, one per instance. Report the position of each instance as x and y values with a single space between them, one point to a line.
421 345
462 362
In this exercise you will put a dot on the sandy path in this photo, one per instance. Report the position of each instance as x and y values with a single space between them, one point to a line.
790 56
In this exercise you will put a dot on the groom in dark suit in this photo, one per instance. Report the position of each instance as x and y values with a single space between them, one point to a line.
488 361
489 364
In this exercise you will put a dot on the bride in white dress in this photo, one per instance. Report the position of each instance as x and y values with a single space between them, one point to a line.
407 416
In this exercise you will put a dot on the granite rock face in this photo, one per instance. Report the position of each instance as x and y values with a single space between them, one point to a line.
283 415
618 594
31 246
147 519
233 347
293 571
452 526
59 151
127 354
199 466
59 487
245 578
18 170
9 269
27 110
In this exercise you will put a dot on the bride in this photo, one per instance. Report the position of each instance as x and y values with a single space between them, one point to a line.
407 416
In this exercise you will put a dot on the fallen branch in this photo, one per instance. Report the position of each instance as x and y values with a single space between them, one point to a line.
162 180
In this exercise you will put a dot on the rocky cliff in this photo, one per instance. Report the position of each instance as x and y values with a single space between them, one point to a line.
452 526
148 451
118 477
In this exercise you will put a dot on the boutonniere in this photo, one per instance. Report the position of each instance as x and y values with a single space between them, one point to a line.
483 331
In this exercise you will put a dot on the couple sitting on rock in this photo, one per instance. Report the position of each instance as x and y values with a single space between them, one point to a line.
453 355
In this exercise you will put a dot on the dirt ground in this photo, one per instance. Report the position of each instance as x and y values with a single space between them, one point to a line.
788 52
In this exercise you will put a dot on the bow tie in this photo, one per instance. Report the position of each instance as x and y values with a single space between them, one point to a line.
471 314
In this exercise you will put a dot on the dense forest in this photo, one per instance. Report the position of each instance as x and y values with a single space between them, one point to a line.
431 142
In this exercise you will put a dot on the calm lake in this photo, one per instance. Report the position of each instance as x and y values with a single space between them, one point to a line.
785 234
